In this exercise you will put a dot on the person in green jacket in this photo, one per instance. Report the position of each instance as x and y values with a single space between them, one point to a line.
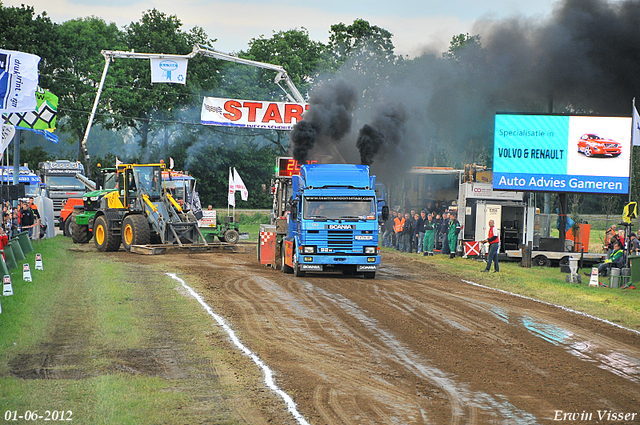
616 259
454 229
429 236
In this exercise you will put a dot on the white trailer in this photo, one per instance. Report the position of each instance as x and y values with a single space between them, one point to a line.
478 203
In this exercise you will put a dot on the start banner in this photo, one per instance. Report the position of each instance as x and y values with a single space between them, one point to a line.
251 113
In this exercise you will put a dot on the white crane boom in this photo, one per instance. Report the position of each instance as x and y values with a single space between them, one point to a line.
109 55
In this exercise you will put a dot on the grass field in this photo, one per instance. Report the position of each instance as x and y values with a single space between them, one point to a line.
78 339
546 284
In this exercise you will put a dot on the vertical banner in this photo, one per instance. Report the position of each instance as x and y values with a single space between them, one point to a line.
169 70
244 193
635 132
232 190
18 81
8 131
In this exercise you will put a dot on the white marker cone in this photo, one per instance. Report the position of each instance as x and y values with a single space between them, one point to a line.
26 273
7 288
39 265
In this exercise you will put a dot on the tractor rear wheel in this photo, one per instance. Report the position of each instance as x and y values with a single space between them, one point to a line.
135 231
104 239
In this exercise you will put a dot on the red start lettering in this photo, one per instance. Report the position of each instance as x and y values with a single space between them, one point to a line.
292 110
253 106
231 106
272 114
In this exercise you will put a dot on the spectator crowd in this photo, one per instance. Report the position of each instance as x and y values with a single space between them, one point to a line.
435 228
23 217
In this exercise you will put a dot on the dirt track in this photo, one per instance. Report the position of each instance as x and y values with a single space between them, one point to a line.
416 347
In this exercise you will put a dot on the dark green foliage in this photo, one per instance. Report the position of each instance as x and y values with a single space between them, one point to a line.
209 163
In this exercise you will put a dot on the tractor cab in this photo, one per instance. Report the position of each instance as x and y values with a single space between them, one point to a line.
134 180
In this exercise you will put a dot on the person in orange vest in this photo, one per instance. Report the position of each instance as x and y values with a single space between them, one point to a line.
493 239
398 226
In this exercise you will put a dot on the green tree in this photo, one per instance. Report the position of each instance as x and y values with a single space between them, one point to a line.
142 106
209 163
24 31
364 55
302 58
360 40
462 43
76 79
33 156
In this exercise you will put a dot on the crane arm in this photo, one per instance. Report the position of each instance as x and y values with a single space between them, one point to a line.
281 72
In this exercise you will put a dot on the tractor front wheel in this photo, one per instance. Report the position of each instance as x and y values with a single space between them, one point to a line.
104 239
231 236
135 231
80 233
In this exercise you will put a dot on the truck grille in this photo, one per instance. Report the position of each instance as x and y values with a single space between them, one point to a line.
340 239
58 204
336 240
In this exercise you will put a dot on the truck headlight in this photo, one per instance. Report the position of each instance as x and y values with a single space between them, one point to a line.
370 249
308 249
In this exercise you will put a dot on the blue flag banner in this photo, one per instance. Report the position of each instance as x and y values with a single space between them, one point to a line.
18 81
46 134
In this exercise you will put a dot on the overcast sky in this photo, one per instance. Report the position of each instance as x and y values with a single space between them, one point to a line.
416 25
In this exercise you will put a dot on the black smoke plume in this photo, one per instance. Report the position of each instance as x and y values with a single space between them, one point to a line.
583 57
327 120
384 135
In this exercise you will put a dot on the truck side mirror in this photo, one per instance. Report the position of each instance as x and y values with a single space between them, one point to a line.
294 211
385 213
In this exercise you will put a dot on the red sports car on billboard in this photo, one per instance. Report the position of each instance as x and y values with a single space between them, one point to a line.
592 144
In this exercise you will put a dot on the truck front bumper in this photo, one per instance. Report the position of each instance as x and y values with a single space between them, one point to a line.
325 262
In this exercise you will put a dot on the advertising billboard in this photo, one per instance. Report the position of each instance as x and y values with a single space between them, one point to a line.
562 153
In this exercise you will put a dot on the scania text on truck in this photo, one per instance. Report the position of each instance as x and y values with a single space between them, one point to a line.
324 219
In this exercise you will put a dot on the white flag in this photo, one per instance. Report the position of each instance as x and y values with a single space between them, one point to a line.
635 132
8 131
244 193
118 162
18 81
169 70
232 189
171 163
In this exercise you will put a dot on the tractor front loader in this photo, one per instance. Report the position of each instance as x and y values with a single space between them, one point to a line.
142 212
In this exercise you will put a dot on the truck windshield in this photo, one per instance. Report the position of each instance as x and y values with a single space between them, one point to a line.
176 187
30 190
66 182
337 208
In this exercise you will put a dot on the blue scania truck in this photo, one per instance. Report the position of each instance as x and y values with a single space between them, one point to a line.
324 219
